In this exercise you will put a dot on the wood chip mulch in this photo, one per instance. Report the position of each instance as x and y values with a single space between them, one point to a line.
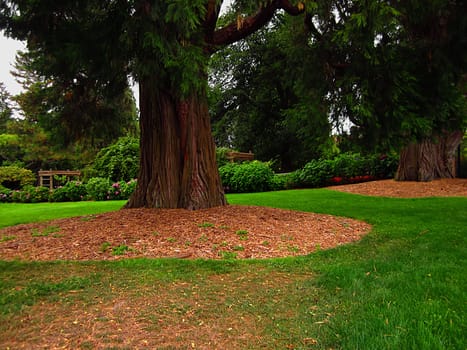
216 233
408 189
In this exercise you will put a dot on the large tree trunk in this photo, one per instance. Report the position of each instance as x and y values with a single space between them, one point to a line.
178 164
429 159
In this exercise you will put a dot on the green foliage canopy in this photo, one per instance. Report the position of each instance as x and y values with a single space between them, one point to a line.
119 161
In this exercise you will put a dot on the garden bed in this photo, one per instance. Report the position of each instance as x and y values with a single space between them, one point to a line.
216 233
408 189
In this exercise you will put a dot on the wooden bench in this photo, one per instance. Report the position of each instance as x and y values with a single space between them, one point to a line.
46 177
240 156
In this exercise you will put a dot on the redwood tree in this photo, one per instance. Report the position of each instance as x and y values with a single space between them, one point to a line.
165 46
396 68
435 37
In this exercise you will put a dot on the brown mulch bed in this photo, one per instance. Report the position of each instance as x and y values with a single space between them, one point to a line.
408 189
216 233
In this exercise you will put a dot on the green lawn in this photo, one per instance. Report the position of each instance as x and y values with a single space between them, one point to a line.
14 213
401 287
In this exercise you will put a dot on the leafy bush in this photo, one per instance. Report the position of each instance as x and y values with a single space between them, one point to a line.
226 173
281 181
128 188
119 161
315 173
72 191
221 156
346 168
121 190
33 194
252 176
14 178
99 188
5 194
385 166
28 194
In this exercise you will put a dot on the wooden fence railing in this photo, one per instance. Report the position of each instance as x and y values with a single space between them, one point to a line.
233 156
46 177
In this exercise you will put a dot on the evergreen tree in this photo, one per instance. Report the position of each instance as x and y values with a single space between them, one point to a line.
265 103
64 125
6 110
396 69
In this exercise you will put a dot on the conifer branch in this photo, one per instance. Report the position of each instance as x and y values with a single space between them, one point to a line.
244 26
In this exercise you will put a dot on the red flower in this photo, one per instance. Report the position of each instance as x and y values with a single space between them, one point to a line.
336 179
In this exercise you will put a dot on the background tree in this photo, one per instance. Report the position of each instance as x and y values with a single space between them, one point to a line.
65 123
262 102
6 110
9 143
434 33
397 78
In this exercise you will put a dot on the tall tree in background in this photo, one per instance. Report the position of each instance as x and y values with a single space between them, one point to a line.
396 72
8 142
6 110
435 35
65 123
73 111
265 102
166 46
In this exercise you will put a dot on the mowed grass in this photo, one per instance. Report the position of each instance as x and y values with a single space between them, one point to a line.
401 287
15 213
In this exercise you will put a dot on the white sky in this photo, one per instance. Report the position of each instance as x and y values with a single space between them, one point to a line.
8 48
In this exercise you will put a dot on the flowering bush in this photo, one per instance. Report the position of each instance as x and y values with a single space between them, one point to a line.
115 191
72 191
129 188
346 168
99 188
5 194
35 194
28 194
95 189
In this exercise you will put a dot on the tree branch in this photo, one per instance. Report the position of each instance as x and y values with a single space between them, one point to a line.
213 8
248 25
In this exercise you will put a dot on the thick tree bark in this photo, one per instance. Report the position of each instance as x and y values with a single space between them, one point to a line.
177 159
429 159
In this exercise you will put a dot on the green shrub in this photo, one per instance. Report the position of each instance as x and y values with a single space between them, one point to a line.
315 173
226 172
252 176
72 191
128 188
31 194
121 189
385 166
345 168
293 180
119 161
221 156
5 194
280 182
99 188
14 178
